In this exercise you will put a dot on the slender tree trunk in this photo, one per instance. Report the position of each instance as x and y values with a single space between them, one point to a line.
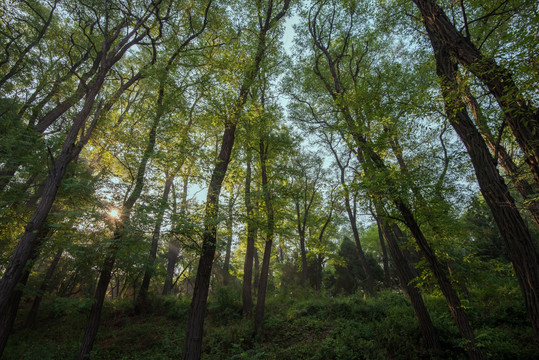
521 115
247 292
385 262
229 228
516 235
303 254
108 265
92 325
142 300
407 275
256 274
262 286
173 245
193 341
32 315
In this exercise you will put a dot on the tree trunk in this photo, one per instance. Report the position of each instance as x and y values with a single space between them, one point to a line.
522 116
173 245
407 275
29 240
7 318
247 292
385 262
525 189
229 228
270 224
193 340
516 235
119 232
142 300
92 325
30 320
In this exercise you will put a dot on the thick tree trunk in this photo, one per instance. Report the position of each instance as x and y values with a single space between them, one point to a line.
522 117
29 240
525 189
516 235
32 315
7 318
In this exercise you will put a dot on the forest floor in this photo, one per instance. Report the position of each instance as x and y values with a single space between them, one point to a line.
297 326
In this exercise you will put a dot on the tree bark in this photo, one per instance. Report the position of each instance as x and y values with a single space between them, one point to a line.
516 235
142 299
525 189
32 315
407 275
193 341
173 245
522 116
270 225
247 292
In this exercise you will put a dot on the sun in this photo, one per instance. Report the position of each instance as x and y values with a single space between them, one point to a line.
113 213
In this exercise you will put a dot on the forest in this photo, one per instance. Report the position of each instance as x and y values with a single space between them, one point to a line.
269 179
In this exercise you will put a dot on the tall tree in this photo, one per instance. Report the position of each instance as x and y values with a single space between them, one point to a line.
268 17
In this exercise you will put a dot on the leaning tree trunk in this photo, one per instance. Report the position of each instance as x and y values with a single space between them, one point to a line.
520 114
173 245
105 274
7 317
512 227
525 189
31 319
407 275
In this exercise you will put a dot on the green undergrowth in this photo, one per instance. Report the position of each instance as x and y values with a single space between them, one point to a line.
298 325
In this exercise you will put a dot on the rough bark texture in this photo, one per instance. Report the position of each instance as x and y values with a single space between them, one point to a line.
514 231
522 117
525 189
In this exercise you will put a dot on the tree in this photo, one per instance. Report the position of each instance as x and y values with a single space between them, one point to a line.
267 19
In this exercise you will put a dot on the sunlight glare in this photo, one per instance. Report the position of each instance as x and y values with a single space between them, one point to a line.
113 213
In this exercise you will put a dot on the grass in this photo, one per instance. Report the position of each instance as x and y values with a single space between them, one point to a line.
300 325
